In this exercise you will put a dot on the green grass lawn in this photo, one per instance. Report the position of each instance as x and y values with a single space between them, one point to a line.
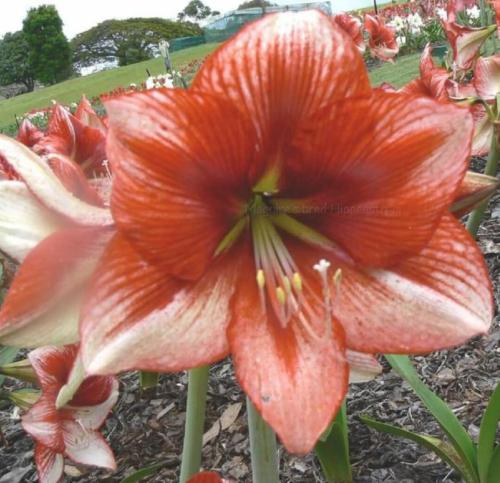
94 84
398 74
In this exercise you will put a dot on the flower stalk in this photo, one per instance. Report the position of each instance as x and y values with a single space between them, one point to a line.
195 419
491 169
265 461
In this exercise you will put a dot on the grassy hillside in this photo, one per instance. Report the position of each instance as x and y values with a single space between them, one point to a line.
95 84
398 74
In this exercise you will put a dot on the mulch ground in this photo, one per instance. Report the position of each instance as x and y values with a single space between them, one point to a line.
147 428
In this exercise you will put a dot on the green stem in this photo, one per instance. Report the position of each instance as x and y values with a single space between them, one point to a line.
491 170
195 419
265 463
333 451
484 17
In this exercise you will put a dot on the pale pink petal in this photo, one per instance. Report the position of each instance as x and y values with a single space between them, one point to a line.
87 447
48 188
49 464
24 221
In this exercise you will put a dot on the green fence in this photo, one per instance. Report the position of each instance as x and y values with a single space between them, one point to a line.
185 42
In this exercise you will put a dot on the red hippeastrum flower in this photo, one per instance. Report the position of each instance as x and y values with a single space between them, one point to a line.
382 39
353 26
207 477
466 43
71 431
81 137
56 225
227 196
433 81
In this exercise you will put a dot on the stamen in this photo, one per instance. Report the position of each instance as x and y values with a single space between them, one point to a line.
322 268
287 285
261 279
280 295
297 282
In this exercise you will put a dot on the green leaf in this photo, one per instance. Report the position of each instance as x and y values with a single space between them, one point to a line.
444 450
143 472
148 380
444 415
7 355
494 470
487 433
333 451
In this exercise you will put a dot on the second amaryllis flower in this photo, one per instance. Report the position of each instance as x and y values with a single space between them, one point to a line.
226 197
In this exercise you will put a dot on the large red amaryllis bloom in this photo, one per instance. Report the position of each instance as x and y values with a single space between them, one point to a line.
71 431
227 196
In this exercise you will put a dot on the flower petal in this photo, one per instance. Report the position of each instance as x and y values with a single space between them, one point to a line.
73 178
24 221
394 167
49 464
382 39
297 381
29 134
487 76
43 424
283 68
206 477
86 114
437 299
93 416
483 131
466 42
48 283
87 447
71 137
137 317
362 367
475 189
48 188
52 365
181 162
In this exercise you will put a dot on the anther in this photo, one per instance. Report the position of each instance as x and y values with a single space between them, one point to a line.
337 278
261 278
280 295
297 282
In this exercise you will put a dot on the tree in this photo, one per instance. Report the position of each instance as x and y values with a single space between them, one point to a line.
127 41
15 67
49 50
256 4
196 10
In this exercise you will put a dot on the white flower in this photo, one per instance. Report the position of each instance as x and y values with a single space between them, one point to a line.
397 23
473 12
442 14
401 40
159 81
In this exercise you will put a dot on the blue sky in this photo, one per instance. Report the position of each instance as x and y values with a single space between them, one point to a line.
81 15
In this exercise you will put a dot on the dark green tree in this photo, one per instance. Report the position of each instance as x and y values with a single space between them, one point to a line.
49 50
15 67
256 4
196 10
127 41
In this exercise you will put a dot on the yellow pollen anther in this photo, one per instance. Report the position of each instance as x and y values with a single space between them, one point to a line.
261 278
280 295
297 282
337 277
287 284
